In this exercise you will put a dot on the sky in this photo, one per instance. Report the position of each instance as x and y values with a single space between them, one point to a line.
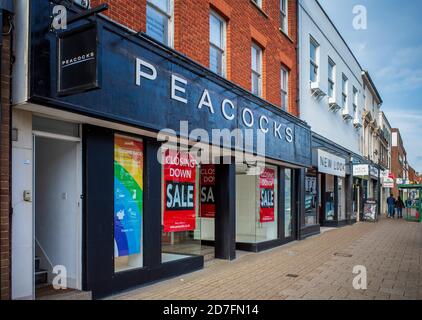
390 48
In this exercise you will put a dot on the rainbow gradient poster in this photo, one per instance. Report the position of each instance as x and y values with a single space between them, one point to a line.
128 192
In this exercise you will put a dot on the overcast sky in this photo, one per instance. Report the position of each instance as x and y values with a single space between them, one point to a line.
391 50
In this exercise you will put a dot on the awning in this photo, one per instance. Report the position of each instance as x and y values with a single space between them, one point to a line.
6 5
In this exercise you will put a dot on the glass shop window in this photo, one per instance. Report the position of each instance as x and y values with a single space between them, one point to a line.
128 203
180 222
329 198
288 218
311 198
256 204
341 182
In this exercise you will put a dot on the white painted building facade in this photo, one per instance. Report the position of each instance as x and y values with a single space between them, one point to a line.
331 99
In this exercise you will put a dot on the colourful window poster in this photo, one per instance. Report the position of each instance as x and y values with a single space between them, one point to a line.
179 191
266 189
207 191
128 192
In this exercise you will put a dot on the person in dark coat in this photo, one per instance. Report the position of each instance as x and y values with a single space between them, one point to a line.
391 202
400 205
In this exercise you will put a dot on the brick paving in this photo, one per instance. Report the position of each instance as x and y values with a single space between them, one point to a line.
391 250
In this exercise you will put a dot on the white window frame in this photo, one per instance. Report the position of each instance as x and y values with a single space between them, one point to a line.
314 63
355 100
259 71
258 3
170 17
344 91
284 74
284 16
223 42
332 77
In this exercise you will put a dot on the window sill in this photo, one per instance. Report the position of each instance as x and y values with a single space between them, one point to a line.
286 35
259 9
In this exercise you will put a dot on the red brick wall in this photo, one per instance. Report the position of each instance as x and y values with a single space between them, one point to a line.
396 168
245 23
5 221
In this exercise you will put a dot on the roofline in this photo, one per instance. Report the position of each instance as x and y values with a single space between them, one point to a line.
338 32
367 77
386 119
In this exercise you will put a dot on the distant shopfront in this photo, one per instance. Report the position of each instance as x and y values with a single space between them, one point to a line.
140 209
328 185
367 186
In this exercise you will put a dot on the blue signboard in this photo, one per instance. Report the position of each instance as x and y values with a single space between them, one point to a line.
153 87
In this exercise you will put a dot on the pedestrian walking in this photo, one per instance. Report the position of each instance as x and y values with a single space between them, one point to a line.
399 206
391 202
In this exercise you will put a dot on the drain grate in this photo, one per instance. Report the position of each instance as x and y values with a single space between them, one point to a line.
291 275
342 254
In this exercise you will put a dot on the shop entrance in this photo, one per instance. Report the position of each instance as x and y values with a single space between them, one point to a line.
57 213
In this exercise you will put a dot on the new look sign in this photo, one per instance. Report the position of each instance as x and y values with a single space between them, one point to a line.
331 164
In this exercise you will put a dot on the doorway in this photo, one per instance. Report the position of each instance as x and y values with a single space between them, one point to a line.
57 213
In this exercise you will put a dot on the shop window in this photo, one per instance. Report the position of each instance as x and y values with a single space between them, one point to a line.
256 204
329 198
181 225
341 193
311 198
128 204
288 232
207 201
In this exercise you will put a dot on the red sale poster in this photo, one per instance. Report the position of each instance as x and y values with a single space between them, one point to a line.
266 190
179 191
207 191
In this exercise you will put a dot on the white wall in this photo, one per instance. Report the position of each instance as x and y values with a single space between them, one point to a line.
313 22
20 78
56 203
22 218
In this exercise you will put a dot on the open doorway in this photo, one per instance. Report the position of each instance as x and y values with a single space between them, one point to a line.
57 213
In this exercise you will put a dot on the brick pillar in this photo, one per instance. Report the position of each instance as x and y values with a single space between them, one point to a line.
5 166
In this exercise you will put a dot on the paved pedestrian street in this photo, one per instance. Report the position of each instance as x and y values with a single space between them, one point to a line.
319 267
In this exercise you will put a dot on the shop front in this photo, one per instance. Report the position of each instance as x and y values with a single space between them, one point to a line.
329 187
143 162
367 187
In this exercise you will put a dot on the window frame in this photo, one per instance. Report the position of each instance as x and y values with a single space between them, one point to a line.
355 100
259 72
331 77
314 63
284 16
258 3
223 42
170 20
344 91
284 75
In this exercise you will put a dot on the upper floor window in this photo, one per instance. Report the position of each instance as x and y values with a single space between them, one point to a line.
314 48
217 44
256 70
355 101
258 3
159 20
331 77
284 89
364 96
284 25
344 91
